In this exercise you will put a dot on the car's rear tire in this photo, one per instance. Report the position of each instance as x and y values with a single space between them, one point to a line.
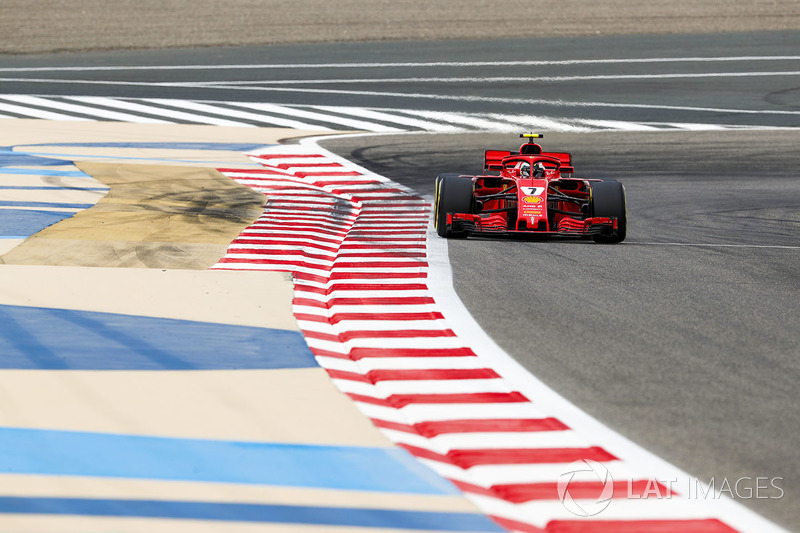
453 195
608 200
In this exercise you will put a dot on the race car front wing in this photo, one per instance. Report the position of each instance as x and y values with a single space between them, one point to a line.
463 222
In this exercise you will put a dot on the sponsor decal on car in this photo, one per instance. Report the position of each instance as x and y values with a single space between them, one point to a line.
532 199
533 210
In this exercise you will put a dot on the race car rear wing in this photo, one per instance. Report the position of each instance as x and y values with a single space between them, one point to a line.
493 159
564 157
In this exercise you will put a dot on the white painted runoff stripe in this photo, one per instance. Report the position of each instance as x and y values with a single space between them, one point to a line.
82 109
37 113
206 108
158 111
211 67
389 117
322 117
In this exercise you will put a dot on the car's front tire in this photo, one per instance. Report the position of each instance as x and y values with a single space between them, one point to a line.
608 200
453 195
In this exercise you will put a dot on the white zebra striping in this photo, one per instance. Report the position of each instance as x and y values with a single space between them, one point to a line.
322 117
83 110
206 108
37 113
161 112
478 122
397 119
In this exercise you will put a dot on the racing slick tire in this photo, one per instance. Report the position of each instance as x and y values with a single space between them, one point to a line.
608 200
453 195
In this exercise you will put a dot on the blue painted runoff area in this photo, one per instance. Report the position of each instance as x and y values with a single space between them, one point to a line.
8 157
22 223
231 147
205 146
74 453
49 188
44 338
45 172
9 203
243 512
116 157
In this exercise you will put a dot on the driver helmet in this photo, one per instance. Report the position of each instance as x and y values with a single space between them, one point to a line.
525 170
538 170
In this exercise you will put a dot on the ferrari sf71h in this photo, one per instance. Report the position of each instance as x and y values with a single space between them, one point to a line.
529 192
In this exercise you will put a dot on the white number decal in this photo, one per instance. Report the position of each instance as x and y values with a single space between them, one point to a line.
535 191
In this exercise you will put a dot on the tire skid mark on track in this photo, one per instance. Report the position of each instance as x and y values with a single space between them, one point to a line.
355 243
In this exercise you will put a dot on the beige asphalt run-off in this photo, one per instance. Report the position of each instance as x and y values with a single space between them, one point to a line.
42 26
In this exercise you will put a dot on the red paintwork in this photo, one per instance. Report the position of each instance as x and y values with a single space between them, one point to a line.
537 210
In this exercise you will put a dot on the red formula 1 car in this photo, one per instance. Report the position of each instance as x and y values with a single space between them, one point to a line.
529 192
